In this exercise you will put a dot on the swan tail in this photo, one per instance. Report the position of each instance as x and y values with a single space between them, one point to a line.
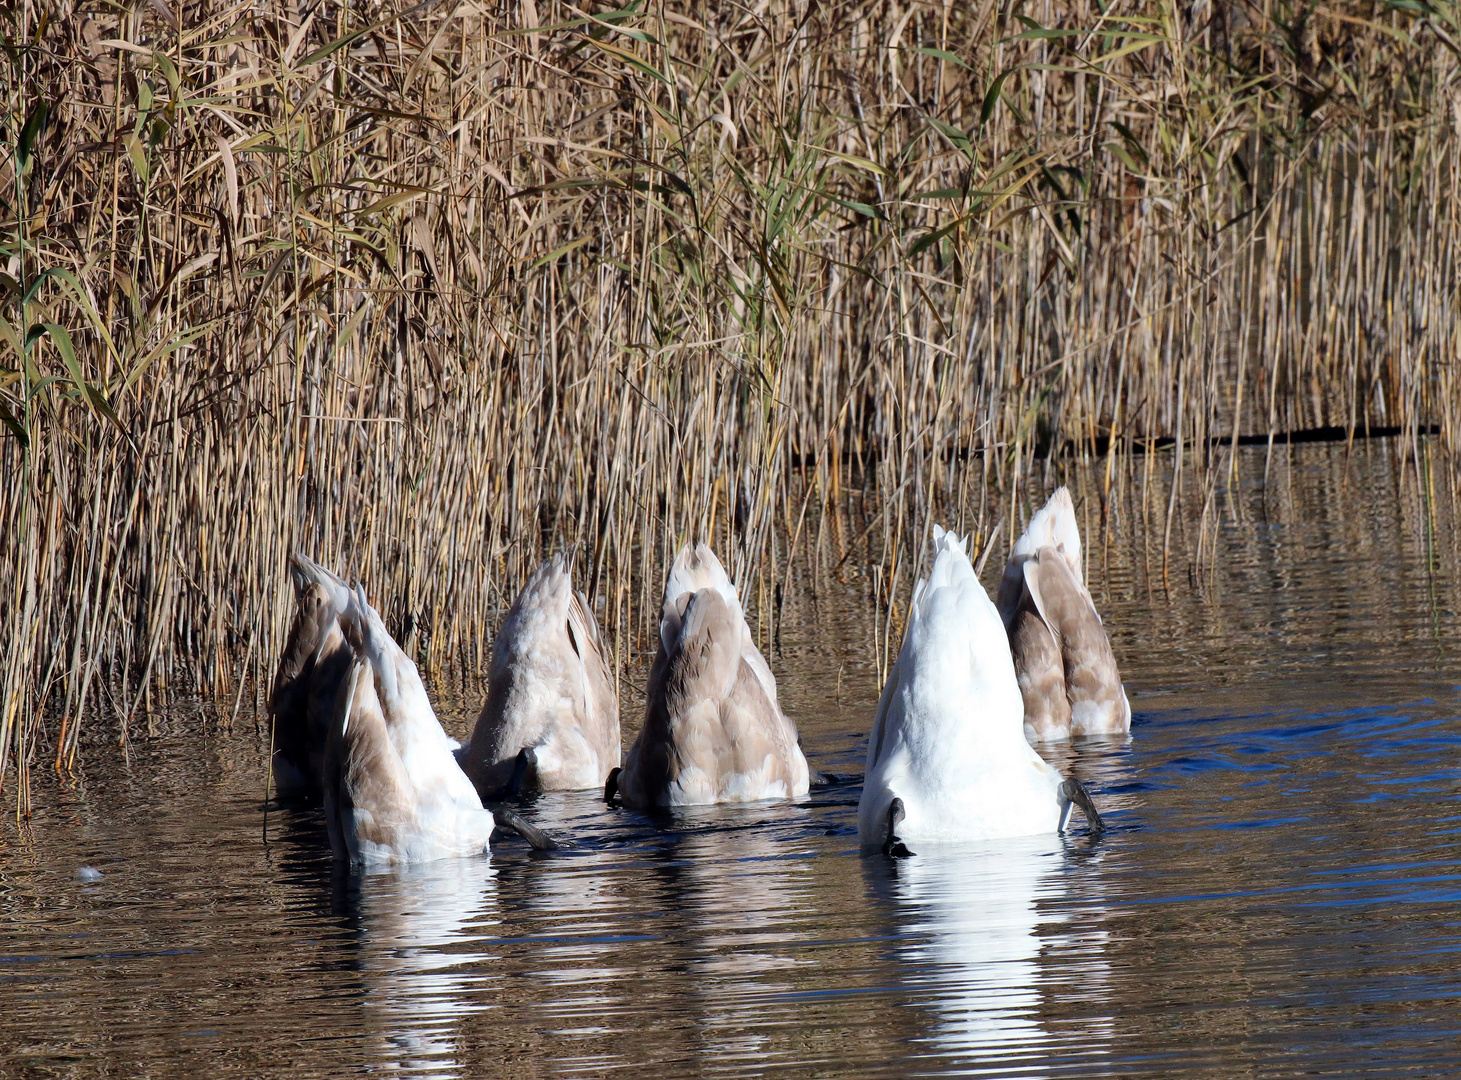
397 680
1053 526
307 572
306 682
694 569
1087 666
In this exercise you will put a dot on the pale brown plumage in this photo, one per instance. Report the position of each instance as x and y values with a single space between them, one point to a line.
713 730
1063 659
353 720
549 690
393 790
368 792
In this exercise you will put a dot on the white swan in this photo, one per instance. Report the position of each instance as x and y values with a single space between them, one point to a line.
947 758
1063 659
551 720
713 730
393 790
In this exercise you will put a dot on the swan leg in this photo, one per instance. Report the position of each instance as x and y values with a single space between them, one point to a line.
537 839
892 846
611 785
524 772
1073 794
822 779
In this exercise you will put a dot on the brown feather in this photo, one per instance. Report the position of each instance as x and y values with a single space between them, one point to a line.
709 721
1086 665
364 776
549 684
307 682
1040 673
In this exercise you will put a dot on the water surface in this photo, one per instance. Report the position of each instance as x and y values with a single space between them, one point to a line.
1277 894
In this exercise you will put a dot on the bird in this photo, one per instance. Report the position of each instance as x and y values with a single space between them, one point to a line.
947 757
713 729
551 720
1063 660
393 790
311 669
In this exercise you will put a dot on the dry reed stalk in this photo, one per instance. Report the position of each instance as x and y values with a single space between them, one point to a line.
429 289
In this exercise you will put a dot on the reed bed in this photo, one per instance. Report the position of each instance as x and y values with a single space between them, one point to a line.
431 289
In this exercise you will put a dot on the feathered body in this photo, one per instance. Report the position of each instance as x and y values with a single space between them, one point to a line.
948 740
394 792
713 729
549 690
1063 660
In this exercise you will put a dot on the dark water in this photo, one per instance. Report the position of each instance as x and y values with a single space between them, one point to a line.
1279 893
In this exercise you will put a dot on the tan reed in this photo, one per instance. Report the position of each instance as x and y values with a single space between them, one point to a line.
430 289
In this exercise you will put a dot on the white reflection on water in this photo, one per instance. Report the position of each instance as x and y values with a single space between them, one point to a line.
974 922
419 958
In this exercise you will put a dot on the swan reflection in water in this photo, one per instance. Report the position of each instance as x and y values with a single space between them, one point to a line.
419 952
743 894
973 924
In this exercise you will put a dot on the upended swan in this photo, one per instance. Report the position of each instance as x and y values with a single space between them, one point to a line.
947 758
713 730
551 721
1063 659
393 791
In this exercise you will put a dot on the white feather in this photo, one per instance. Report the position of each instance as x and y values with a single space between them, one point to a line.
949 737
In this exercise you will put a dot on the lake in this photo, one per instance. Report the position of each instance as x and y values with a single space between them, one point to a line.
1278 893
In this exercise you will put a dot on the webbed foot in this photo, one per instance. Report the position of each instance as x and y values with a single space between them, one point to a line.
537 839
892 846
1075 794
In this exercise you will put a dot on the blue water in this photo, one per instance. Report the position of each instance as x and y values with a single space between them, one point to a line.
1278 892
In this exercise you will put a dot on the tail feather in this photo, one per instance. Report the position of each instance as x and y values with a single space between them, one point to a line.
366 633
694 569
1053 525
951 565
307 571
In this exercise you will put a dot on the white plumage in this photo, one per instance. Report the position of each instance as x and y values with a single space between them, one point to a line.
394 792
948 741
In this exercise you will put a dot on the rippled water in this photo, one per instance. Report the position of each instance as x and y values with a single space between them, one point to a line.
1277 894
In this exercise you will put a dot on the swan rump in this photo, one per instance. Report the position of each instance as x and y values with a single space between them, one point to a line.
550 692
947 757
713 729
1062 656
394 792
353 723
